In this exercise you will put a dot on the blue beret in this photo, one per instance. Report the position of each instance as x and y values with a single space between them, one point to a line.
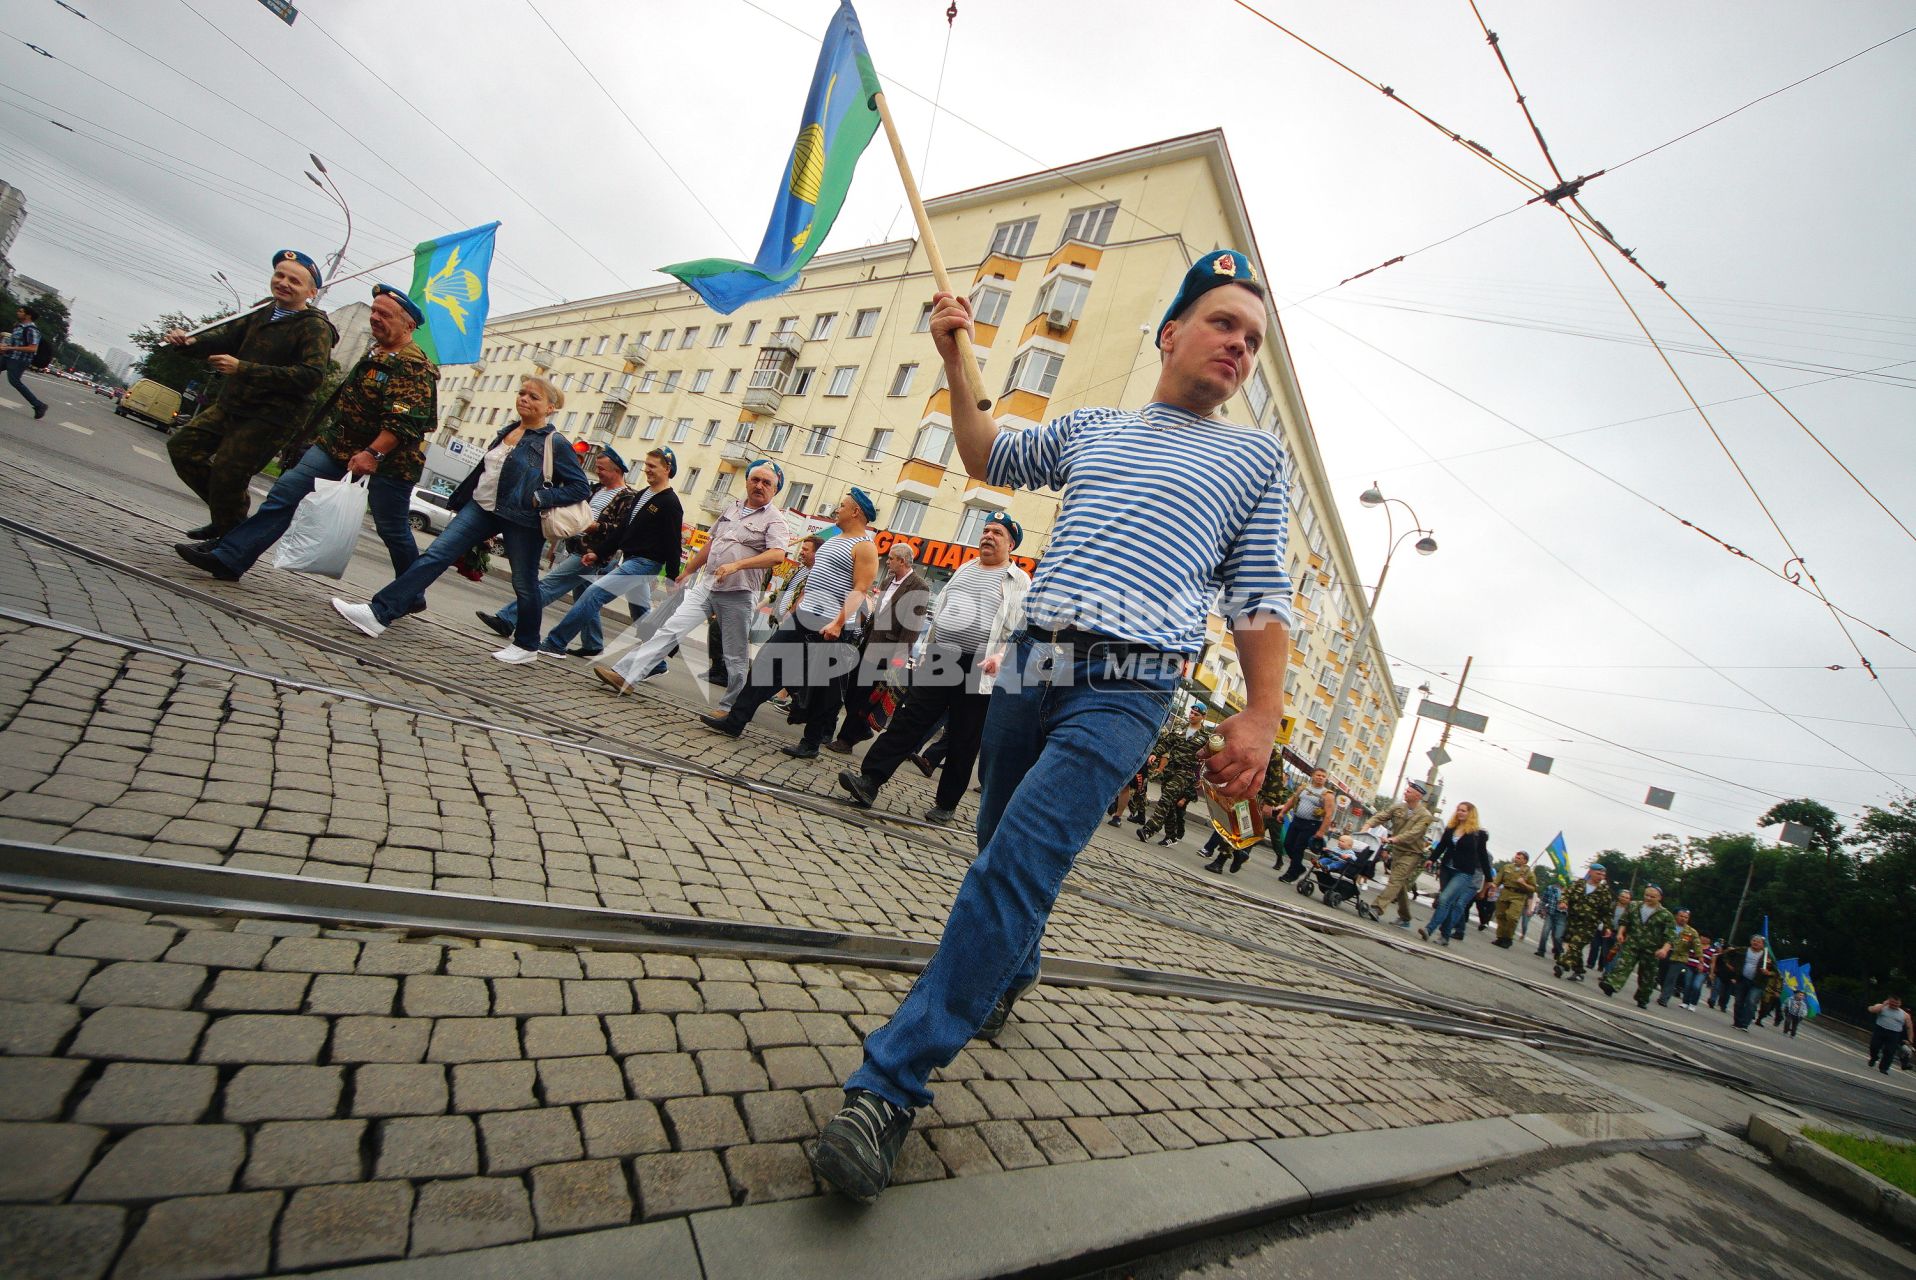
778 472
1012 528
671 460
612 455
1596 866
294 255
1224 266
406 304
865 503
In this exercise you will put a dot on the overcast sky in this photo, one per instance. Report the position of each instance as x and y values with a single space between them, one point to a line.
1784 229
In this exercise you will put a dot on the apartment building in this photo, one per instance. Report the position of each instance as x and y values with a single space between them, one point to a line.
1068 271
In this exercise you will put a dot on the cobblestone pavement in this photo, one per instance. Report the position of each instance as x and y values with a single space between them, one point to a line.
189 1095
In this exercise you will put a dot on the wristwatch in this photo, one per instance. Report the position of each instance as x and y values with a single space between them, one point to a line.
377 455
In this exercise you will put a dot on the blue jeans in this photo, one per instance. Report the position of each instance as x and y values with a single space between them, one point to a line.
1692 985
582 619
1453 906
389 500
567 575
1054 754
16 374
1552 936
470 527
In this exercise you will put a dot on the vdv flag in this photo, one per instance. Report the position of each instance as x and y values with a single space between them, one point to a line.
449 284
1796 977
839 120
1560 857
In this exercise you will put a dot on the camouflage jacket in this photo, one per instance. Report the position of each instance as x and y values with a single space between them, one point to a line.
386 391
1179 750
1407 829
1518 881
281 362
1686 944
1586 910
1272 792
1647 935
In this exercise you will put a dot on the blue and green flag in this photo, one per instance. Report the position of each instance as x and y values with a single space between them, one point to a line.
1796 977
1559 855
449 284
839 120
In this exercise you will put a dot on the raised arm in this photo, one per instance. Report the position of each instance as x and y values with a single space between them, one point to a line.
972 428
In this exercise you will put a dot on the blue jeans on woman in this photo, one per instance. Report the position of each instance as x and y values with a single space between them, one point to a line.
582 619
1055 750
470 527
1453 906
389 500
567 575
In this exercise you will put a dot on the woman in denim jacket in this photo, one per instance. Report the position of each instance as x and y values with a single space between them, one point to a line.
502 497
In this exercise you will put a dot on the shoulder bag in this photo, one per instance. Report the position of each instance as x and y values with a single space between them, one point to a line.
569 521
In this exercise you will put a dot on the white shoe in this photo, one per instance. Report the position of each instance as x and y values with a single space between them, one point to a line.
360 615
515 655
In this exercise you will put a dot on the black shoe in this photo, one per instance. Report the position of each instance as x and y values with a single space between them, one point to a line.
1166 843
839 747
802 750
940 816
494 623
861 788
202 533
585 653
995 1020
201 557
718 678
1115 822
1606 988
1663 1003
1142 834
39 413
855 1153
1216 864
927 768
724 724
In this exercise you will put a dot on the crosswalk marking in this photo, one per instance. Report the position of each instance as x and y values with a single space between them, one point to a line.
145 452
74 426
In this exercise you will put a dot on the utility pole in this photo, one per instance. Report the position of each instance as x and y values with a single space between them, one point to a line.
1410 745
1748 876
1430 779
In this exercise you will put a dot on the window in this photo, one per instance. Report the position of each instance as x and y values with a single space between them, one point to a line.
720 334
1013 239
690 482
876 449
866 323
742 432
630 425
751 331
842 377
823 324
672 381
620 346
988 305
647 378
1091 225
901 381
691 336
907 515
644 339
1062 293
701 380
604 342
652 426
933 443
711 431
565 348
567 424
818 440
786 324
971 526
799 498
681 429
801 381
665 338
603 376
1035 371
1258 392
924 320
722 483
781 432
731 382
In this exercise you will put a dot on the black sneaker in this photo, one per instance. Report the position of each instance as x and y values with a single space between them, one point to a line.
199 555
583 652
724 724
494 623
801 750
202 533
940 816
855 1153
927 768
863 792
1000 1014
39 413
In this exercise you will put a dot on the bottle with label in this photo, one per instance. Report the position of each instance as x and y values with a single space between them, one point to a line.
1239 822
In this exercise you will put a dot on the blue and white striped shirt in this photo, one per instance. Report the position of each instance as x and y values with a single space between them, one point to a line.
1165 515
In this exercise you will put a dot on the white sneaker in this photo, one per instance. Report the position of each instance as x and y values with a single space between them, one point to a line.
514 654
360 615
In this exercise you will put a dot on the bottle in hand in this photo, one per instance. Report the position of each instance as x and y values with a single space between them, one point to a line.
1239 822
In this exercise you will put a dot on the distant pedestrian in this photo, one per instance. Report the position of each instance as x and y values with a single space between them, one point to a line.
1310 810
1587 907
1516 885
1603 952
1685 944
1750 969
1795 1009
1550 916
1770 1008
20 347
569 574
1702 974
644 531
1462 859
1890 1031
1406 826
1180 747
898 616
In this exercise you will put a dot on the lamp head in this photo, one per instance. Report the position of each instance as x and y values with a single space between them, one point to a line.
317 162
1425 545
1372 497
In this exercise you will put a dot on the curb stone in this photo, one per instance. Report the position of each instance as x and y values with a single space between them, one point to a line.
1782 1137
1055 1219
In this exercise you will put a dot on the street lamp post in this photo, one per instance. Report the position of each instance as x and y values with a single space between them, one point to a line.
1425 545
220 278
338 197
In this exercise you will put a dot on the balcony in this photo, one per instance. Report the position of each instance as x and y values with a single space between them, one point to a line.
714 501
766 390
737 453
620 395
789 342
636 354
543 358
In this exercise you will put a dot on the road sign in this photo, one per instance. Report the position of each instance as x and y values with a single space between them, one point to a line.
1794 833
1659 798
282 10
1438 756
1284 730
1541 764
1460 718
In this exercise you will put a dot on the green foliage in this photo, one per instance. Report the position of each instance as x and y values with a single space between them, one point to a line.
50 318
163 363
1894 1162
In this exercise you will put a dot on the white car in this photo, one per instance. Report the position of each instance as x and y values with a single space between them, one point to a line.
429 513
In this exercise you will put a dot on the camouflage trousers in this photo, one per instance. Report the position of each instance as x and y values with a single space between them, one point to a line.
1168 817
1649 971
1576 942
217 457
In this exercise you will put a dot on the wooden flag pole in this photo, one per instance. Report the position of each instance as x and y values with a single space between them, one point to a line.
974 377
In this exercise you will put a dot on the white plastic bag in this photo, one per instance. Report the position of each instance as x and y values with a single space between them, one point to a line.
325 528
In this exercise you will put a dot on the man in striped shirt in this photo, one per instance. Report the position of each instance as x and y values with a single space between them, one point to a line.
1168 513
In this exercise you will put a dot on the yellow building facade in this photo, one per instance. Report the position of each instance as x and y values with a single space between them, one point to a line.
1068 271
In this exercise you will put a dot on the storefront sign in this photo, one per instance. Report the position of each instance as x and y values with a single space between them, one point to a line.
941 555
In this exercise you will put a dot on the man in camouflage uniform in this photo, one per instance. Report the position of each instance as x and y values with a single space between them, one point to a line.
1179 747
1587 906
1643 941
374 425
273 359
1406 847
1686 944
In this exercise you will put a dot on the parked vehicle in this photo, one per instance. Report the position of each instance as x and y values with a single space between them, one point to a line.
150 401
429 513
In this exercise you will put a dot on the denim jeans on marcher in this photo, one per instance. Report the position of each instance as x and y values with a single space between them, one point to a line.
1053 756
389 500
567 574
630 579
1453 906
471 526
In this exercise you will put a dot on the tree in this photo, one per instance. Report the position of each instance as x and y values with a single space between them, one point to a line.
163 362
1826 833
50 316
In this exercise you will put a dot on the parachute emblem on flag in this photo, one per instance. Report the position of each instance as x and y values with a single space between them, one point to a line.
453 288
808 162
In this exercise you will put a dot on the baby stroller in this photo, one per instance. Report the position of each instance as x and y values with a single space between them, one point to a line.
1337 877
